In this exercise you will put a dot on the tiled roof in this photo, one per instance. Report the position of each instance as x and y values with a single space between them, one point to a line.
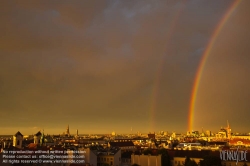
121 144
79 165
18 133
32 146
105 152
38 133
217 143
237 140
192 153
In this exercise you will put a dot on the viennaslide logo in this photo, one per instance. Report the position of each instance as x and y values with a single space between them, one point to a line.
233 155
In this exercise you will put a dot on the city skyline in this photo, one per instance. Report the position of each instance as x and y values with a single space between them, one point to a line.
103 66
74 131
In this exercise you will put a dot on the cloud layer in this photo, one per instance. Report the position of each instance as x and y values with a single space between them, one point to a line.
112 65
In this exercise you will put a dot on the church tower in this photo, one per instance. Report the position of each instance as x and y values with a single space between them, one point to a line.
42 139
229 131
37 137
67 131
76 136
17 140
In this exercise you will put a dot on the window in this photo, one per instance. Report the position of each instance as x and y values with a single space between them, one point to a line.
111 163
18 142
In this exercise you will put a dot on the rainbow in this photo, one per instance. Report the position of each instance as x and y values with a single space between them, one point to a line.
156 84
205 55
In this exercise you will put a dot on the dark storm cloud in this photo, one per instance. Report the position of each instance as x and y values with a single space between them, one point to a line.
91 63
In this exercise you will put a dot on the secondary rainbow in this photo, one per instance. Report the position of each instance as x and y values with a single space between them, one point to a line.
155 89
205 55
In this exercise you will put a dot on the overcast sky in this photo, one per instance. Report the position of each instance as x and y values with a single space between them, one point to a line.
103 66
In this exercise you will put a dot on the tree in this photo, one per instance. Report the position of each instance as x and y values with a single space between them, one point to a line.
135 165
189 162
211 161
175 143
105 164
147 151
165 158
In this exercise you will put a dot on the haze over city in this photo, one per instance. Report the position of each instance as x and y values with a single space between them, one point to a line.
103 66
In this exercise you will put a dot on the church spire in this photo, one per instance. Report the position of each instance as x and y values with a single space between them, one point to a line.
228 124
67 131
42 139
229 131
